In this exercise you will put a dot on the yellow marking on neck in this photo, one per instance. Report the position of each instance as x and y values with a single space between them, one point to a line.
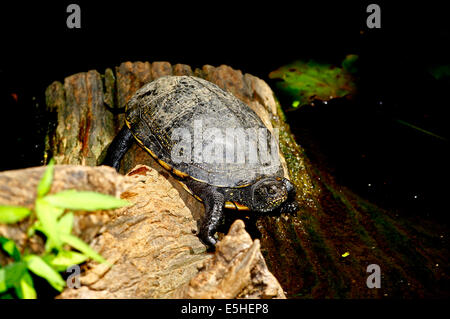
235 206
230 205
241 207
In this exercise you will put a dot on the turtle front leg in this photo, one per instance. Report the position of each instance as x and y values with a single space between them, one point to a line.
117 149
214 202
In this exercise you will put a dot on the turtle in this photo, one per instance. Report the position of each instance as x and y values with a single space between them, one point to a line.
202 135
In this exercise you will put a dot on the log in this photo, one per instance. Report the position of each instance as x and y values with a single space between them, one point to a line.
151 244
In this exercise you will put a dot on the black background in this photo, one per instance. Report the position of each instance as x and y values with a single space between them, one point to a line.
37 46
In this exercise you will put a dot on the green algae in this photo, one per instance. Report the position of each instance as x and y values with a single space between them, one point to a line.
311 248
305 82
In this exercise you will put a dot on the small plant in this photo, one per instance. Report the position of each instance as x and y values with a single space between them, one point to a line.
53 215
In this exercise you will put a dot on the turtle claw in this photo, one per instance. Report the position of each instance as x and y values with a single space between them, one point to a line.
209 241
290 207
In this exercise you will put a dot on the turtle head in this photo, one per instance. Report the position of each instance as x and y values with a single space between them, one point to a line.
268 194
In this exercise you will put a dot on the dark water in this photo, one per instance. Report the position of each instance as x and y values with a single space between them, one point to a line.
366 146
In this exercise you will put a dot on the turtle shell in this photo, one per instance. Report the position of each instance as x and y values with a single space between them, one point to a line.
196 129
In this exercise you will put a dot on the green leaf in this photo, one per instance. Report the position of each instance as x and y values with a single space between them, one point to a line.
10 247
440 71
80 245
66 259
349 63
13 273
47 216
46 181
6 296
38 266
26 286
18 291
65 223
88 201
305 82
13 214
419 129
31 231
50 244
36 226
3 286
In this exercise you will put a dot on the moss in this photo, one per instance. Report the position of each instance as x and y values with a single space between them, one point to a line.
399 242
314 243
294 156
354 216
